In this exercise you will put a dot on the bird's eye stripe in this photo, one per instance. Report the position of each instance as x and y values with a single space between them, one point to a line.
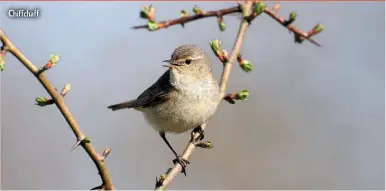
183 59
188 58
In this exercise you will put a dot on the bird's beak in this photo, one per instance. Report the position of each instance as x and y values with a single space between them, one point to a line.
170 65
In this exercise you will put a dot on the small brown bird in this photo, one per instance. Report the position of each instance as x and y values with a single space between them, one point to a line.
183 98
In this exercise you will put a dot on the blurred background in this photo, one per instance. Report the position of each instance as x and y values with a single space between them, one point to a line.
314 120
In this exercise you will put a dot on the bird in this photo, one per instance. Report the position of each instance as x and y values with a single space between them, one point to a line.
184 97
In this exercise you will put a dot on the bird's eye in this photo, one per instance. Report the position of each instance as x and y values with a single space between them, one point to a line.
188 61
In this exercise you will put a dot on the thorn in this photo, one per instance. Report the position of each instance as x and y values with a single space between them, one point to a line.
82 140
100 187
105 153
158 183
161 179
298 39
76 145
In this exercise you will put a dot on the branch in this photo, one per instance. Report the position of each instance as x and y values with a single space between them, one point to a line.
299 35
185 19
57 98
172 173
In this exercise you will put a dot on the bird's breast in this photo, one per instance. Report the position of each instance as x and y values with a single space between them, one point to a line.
194 102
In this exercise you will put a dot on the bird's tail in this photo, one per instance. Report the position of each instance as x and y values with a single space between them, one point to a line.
123 105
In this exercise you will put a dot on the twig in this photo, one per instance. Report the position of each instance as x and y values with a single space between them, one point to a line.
58 100
183 20
223 84
297 32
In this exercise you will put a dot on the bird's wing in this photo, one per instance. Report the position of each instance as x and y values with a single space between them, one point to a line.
159 92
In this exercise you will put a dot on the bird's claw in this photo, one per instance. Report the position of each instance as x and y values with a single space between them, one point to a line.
182 162
201 133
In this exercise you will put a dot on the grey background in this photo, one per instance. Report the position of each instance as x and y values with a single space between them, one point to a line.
315 118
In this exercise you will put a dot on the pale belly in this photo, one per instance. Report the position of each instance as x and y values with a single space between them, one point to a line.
178 116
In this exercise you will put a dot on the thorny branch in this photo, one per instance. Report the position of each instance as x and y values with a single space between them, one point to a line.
57 98
299 35
185 19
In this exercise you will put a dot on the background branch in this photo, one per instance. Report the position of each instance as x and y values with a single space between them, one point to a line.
57 98
299 35
186 19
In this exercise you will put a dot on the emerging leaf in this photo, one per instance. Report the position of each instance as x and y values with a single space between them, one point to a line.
184 13
54 59
246 65
222 26
205 145
243 94
259 7
152 26
2 62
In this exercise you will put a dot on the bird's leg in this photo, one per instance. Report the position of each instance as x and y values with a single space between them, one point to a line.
178 159
200 131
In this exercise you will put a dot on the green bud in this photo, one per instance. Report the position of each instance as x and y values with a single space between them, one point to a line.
2 67
246 65
292 16
152 26
259 8
54 58
184 13
216 46
147 12
242 95
87 139
222 26
318 28
2 63
196 10
205 145
40 99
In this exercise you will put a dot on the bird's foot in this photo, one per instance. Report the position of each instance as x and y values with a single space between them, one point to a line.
182 162
201 133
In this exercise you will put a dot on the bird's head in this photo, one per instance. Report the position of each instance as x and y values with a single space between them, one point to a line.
189 58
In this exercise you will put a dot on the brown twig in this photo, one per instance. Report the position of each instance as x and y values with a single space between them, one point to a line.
184 20
58 100
297 32
223 84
